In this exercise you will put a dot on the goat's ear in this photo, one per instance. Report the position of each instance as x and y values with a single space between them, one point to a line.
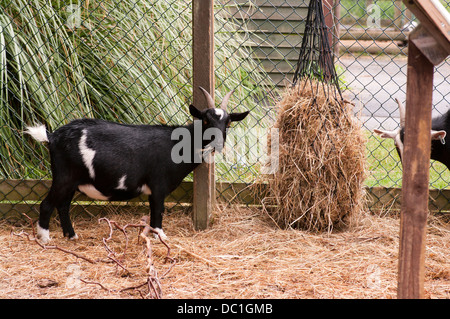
195 112
235 117
386 134
438 135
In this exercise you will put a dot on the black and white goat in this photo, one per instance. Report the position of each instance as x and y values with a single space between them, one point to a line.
440 151
111 161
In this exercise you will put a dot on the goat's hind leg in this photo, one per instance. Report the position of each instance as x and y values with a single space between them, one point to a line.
59 199
45 212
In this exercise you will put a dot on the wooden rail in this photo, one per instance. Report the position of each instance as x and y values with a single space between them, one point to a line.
24 196
372 34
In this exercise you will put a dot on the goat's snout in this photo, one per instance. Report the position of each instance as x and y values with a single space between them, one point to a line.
216 138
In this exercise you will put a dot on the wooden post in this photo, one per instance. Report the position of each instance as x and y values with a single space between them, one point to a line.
327 6
337 27
203 74
416 163
428 45
398 14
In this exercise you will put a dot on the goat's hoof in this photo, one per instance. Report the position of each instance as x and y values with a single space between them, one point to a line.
74 237
42 234
43 240
160 234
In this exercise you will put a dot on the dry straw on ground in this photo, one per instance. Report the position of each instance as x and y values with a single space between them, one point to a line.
319 183
243 254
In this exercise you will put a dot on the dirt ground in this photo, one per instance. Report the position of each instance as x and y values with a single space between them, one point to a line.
242 255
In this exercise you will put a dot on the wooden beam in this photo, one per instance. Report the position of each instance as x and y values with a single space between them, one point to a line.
435 21
22 192
438 15
416 161
428 45
203 75
337 26
372 35
398 14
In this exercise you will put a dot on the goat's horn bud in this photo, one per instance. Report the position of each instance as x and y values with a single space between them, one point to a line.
224 103
208 98
401 109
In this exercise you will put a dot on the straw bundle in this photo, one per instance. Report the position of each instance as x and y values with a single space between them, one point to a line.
319 183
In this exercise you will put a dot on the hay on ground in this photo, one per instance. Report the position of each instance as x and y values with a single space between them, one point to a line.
319 183
241 255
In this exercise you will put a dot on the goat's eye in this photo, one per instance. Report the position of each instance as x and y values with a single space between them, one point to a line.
228 123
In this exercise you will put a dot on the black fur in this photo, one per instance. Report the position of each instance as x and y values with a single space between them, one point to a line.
439 152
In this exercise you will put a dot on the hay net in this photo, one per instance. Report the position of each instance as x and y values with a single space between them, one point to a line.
316 60
319 182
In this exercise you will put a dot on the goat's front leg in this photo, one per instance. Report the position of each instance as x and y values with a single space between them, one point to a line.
156 211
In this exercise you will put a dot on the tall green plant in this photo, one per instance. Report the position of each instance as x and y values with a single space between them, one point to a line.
128 61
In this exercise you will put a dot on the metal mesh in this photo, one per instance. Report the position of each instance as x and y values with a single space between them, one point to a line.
370 43
131 61
125 61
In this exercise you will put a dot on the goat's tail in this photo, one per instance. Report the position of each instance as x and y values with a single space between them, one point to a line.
39 133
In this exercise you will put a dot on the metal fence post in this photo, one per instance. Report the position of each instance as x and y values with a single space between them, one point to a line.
203 74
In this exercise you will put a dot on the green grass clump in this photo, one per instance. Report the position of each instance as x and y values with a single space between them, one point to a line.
385 169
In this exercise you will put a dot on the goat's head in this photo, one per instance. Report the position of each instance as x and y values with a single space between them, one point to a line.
399 134
216 120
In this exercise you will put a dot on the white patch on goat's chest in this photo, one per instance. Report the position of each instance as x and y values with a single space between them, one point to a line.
92 192
121 184
220 113
87 154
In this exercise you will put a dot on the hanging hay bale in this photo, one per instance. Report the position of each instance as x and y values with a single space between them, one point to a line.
319 182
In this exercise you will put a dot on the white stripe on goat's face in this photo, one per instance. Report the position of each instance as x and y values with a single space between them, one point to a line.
220 113
87 154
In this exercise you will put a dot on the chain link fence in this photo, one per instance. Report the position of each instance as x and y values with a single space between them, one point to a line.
131 62
373 55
